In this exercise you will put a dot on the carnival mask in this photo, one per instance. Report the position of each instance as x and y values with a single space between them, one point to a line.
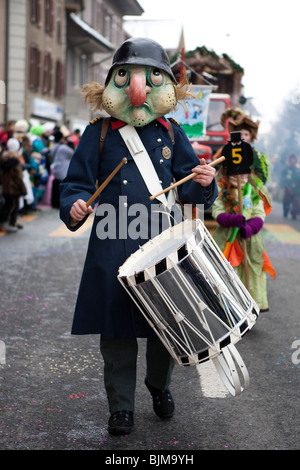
137 94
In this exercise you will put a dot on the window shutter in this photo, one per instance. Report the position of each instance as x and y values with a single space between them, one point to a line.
31 67
38 69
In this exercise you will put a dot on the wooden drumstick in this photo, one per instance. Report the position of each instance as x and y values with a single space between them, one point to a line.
100 189
187 178
105 183
244 243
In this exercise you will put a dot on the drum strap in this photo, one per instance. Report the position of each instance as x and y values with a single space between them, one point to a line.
145 165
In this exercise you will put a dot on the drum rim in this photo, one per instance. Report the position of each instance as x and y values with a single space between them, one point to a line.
178 254
233 337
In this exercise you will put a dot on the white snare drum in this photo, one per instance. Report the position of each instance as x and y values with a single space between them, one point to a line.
192 297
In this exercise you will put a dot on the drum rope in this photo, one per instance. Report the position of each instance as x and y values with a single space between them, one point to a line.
155 316
171 305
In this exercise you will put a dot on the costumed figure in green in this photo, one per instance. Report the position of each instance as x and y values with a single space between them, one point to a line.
234 226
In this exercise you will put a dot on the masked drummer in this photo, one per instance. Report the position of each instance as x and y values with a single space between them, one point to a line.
140 90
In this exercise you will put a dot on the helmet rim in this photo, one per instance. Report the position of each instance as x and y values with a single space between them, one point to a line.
141 51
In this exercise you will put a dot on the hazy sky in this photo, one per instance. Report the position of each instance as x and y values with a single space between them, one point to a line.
263 36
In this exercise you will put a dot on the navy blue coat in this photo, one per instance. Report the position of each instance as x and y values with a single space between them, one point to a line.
103 306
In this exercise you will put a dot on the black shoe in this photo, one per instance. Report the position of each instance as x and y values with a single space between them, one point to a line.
163 404
120 422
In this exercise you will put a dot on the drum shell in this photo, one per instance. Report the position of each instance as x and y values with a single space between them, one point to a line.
195 301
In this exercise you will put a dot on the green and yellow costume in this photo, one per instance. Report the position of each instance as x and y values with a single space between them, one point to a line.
257 203
257 259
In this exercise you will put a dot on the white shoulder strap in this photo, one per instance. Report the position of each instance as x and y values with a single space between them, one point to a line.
144 164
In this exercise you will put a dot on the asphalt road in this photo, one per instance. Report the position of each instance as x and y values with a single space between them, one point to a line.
51 384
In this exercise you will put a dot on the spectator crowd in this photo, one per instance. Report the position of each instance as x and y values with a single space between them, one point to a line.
34 158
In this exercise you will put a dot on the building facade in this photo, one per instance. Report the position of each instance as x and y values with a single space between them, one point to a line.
92 37
50 48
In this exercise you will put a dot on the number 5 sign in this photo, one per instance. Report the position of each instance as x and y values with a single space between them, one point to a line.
238 155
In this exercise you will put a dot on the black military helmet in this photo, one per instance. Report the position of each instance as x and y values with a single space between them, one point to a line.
141 51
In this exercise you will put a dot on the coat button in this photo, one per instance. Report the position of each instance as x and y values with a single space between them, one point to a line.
125 181
158 139
161 161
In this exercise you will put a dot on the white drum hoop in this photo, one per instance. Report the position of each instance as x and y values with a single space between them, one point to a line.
232 370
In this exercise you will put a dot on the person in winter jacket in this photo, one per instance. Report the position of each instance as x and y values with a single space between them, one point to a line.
12 185
61 154
6 132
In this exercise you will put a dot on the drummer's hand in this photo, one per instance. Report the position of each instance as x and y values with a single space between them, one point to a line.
205 173
79 210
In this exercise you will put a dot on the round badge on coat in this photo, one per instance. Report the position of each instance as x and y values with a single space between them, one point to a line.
166 152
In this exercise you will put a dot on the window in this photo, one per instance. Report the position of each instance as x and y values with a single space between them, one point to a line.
58 25
35 12
99 18
119 38
108 29
34 68
59 80
49 16
215 110
47 73
83 69
73 68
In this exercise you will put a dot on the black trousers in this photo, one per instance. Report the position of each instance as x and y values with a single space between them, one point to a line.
10 209
55 194
120 367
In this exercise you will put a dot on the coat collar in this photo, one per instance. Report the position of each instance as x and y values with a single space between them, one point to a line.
117 123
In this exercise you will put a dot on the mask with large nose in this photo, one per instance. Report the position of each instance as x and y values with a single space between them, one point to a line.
138 94
140 84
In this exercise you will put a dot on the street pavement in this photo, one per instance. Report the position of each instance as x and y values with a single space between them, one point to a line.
51 385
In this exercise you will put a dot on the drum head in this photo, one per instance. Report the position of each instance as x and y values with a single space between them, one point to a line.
154 251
